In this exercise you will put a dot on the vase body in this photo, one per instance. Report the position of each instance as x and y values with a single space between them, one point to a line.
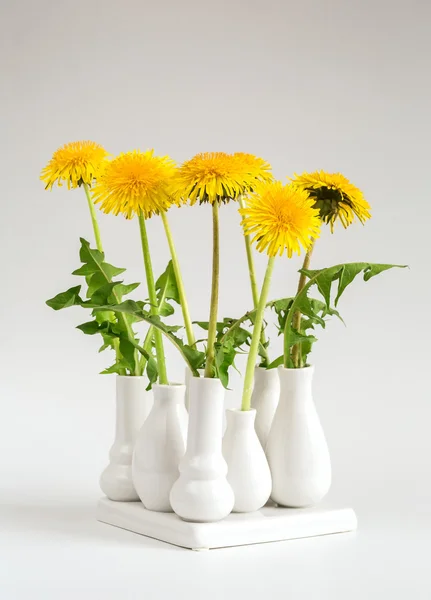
202 493
266 392
297 451
133 404
248 470
159 447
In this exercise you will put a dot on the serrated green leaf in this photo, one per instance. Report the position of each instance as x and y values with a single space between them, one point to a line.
152 372
85 270
119 367
305 307
194 358
95 282
167 289
127 350
224 359
347 275
111 271
276 363
66 299
102 295
89 255
123 289
89 328
375 269
323 278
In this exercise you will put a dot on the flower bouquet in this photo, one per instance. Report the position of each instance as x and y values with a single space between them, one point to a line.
173 458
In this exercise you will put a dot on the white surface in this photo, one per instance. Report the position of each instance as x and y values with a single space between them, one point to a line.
335 85
297 450
269 524
202 493
160 445
133 404
248 470
266 392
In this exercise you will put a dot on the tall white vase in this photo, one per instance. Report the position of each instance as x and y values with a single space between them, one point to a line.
297 451
160 445
202 493
133 404
248 470
266 392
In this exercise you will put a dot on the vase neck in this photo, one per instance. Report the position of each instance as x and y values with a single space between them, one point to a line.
296 385
129 406
205 416
240 421
169 395
265 377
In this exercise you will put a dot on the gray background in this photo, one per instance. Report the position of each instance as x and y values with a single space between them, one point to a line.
342 86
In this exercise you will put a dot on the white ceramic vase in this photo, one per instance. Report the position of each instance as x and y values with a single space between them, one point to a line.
248 470
159 447
266 392
297 451
133 404
202 493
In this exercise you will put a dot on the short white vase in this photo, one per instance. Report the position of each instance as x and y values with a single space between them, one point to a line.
266 393
297 451
202 493
248 470
133 404
159 447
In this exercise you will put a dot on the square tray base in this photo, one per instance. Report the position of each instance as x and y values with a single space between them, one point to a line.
270 524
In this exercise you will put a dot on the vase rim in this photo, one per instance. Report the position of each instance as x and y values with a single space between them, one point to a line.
300 369
240 411
131 377
172 384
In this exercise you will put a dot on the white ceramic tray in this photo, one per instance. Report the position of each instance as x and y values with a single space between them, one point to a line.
270 524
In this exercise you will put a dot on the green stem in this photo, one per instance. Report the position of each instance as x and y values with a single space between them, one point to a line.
180 284
296 323
253 284
99 246
152 294
255 339
212 324
93 218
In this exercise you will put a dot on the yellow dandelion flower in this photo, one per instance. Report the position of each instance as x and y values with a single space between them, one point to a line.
334 197
135 182
75 163
211 177
255 167
280 218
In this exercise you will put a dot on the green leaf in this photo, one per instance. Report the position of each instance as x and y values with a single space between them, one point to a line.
375 269
127 350
85 270
119 367
347 275
192 357
122 289
167 289
89 328
305 306
152 371
111 271
276 363
68 298
224 359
